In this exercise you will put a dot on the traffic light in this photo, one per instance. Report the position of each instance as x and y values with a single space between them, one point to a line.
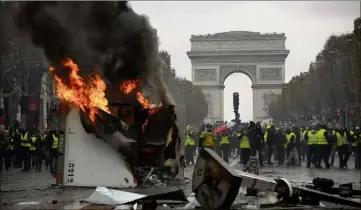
338 115
235 102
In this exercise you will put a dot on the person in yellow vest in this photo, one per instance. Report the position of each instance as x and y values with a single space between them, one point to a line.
311 140
224 145
39 154
207 138
322 146
25 147
289 137
270 142
54 151
32 150
189 146
237 134
291 148
342 147
245 147
333 146
356 144
303 131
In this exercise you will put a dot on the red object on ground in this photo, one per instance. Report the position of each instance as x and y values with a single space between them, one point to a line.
59 179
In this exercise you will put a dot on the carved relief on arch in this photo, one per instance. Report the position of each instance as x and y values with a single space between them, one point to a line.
249 70
208 97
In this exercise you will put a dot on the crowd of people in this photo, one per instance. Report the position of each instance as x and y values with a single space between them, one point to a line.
316 145
28 150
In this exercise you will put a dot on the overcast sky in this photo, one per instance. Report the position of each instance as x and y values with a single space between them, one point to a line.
307 26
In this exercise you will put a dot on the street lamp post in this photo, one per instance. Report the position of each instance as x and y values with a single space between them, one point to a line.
2 109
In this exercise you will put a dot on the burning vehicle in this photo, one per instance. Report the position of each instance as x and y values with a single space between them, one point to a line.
105 65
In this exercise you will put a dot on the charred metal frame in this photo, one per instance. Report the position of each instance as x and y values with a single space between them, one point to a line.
216 186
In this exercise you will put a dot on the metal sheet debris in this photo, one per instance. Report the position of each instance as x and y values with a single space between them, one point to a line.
216 185
105 196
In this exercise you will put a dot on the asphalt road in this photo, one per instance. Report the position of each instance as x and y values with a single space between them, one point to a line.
33 190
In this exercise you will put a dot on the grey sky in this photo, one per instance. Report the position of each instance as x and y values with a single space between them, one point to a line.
307 26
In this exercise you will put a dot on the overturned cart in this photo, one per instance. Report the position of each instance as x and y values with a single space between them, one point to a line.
216 186
113 150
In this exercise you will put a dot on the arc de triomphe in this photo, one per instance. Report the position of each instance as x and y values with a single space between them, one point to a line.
259 56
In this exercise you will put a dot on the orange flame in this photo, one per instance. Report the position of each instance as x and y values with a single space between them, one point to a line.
86 95
129 86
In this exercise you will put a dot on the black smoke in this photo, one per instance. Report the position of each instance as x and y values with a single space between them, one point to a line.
106 34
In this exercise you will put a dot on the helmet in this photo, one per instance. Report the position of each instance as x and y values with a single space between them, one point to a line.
209 125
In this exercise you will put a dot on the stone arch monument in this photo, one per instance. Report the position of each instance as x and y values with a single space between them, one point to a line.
259 56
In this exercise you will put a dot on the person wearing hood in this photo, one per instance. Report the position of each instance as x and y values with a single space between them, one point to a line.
207 138
270 140
356 147
256 138
279 142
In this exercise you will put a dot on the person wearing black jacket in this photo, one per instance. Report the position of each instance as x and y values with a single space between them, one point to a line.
297 131
4 143
324 150
256 138
270 143
39 153
280 140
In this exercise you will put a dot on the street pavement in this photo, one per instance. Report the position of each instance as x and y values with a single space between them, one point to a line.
29 190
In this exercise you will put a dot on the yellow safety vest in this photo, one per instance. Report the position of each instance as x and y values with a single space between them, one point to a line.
340 140
304 133
208 140
55 142
11 146
265 136
244 143
312 138
189 141
25 141
33 139
321 140
355 142
288 138
224 140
